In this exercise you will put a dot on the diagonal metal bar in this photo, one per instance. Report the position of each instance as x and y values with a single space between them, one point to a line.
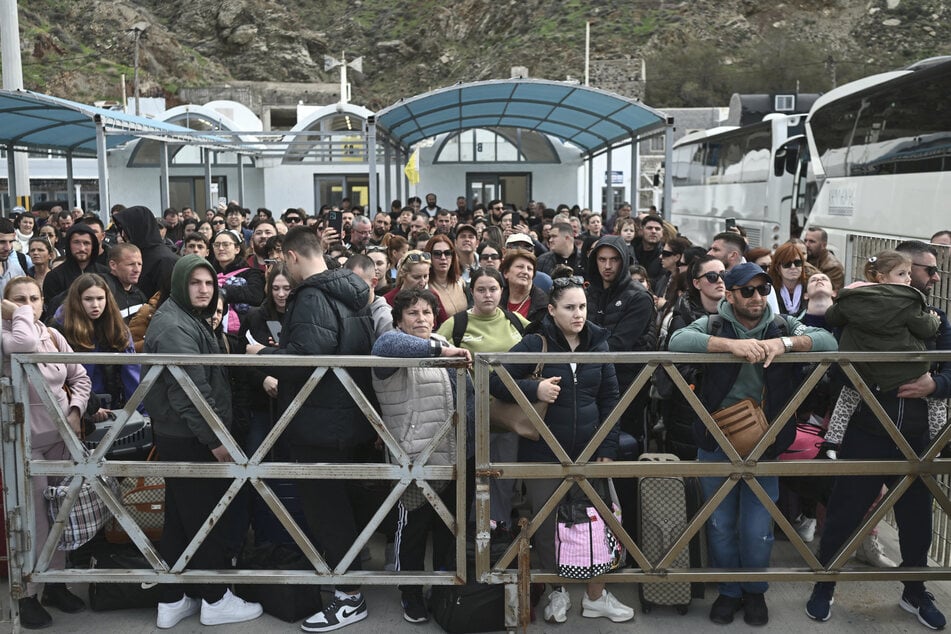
616 527
58 524
289 413
887 423
939 443
371 527
374 417
290 525
787 528
536 521
939 495
122 415
786 414
615 415
560 454
44 391
209 415
674 373
438 505
694 526
849 548
208 524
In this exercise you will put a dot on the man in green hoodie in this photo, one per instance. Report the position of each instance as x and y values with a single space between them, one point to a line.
181 326
740 531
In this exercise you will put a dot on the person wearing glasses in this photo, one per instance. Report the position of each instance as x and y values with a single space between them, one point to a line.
414 271
245 285
444 278
580 396
490 255
787 273
740 531
701 300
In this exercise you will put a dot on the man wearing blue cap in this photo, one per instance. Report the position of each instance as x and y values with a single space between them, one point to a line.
740 531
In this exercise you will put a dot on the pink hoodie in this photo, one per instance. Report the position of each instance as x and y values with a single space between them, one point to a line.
24 335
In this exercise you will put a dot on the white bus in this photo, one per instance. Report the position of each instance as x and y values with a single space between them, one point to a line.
881 156
728 172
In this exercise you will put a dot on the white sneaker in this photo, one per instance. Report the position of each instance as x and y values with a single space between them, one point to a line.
607 606
229 609
558 605
170 614
872 553
806 527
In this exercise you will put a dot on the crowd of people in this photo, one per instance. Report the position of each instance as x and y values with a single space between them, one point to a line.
423 281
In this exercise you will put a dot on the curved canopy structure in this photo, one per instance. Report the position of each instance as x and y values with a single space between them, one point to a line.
588 118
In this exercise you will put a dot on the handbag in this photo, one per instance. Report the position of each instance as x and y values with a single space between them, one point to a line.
743 423
508 417
584 545
88 515
144 499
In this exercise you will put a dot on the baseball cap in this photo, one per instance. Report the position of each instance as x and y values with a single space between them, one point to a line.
519 238
742 273
466 227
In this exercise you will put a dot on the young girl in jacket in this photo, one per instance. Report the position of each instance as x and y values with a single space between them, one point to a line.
884 314
580 397
23 332
91 322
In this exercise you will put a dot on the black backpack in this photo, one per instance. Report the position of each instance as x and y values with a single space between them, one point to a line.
460 321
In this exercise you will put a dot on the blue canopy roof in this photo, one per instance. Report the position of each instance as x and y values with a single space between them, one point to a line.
589 118
34 120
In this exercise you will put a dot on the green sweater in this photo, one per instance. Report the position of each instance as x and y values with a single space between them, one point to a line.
494 333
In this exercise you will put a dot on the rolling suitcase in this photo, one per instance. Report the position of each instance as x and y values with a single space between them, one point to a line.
662 516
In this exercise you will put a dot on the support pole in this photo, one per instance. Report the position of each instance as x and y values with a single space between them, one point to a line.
399 174
591 182
102 162
635 173
609 181
163 176
668 153
241 179
387 177
373 202
11 177
70 188
211 203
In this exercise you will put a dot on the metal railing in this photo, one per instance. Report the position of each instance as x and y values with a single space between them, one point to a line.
92 466
579 470
405 472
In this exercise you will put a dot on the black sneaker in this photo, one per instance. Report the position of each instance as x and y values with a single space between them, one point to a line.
340 613
923 606
414 609
819 606
723 609
755 611
57 595
32 615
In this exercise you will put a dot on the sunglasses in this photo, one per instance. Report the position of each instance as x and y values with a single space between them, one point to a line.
563 282
711 276
763 289
794 263
930 270
376 249
442 254
666 254
292 220
490 256
415 257
218 222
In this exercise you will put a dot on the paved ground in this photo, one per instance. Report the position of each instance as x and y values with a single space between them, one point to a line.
859 607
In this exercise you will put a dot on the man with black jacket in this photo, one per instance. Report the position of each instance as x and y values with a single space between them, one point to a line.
138 225
562 250
82 247
327 314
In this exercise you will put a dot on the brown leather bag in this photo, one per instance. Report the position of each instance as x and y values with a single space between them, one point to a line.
743 423
506 417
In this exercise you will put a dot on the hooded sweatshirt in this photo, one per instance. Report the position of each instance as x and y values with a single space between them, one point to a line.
140 227
179 328
58 280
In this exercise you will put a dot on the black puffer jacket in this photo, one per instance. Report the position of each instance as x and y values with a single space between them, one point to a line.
588 394
58 280
177 328
327 314
624 309
140 227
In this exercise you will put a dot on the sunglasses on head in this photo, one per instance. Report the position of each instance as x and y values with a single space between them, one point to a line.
563 282
930 270
711 276
763 289
794 263
416 257
376 249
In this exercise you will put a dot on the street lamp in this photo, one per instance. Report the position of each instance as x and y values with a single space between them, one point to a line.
138 30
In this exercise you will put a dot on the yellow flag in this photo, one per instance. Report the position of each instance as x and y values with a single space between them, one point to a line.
412 167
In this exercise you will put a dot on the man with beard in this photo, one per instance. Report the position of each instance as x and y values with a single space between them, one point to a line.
381 228
263 230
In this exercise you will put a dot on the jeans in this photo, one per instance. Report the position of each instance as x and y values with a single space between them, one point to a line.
740 531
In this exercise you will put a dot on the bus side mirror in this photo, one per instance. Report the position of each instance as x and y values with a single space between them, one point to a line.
785 160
